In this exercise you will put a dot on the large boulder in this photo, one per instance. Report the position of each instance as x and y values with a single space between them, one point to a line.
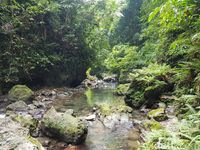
13 136
148 84
64 127
20 93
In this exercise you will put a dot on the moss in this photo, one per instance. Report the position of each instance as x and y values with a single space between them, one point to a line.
148 84
20 93
153 125
26 121
107 109
122 89
157 114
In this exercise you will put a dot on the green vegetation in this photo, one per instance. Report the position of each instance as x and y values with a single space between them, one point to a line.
153 46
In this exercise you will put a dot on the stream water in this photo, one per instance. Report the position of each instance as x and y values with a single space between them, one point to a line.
122 137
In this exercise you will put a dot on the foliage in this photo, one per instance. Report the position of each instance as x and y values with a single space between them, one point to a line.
148 84
186 136
122 58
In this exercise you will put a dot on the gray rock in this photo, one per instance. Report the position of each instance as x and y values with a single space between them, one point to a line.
69 111
18 106
64 127
39 104
117 119
13 136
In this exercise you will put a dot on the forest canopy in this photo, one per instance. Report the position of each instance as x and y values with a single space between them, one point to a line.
54 42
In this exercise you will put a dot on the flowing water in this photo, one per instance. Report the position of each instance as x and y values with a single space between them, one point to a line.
122 137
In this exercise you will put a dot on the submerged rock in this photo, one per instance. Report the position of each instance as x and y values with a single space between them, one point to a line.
64 127
13 136
158 114
20 93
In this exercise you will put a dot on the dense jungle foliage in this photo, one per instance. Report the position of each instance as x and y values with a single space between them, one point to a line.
152 45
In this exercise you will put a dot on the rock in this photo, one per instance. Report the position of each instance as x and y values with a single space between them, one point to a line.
37 113
13 136
110 78
140 94
26 121
116 119
2 116
48 93
157 114
31 106
152 125
20 93
91 117
64 127
162 105
107 109
69 111
39 104
19 106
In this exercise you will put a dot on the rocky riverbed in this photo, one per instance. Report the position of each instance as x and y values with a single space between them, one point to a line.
83 118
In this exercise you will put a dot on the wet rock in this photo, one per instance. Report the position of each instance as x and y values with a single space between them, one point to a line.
114 120
64 127
19 106
91 117
110 78
13 136
20 93
2 116
157 114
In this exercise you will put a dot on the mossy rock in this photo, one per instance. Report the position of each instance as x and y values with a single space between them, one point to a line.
157 114
20 93
64 127
152 125
141 93
135 95
122 89
26 121
107 109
